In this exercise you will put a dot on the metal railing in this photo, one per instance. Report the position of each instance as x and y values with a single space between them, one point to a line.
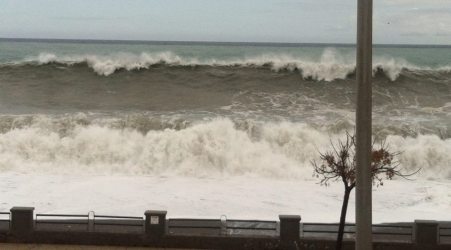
252 225
183 226
110 220
216 226
404 232
66 220
444 234
433 231
90 221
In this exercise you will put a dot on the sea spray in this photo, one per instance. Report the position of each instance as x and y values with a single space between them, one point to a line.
426 152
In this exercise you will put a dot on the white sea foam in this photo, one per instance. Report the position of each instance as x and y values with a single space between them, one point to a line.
330 66
210 197
204 170
281 150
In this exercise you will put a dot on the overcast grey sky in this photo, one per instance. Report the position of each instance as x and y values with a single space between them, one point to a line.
330 21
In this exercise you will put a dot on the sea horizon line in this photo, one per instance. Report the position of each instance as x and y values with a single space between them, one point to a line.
213 43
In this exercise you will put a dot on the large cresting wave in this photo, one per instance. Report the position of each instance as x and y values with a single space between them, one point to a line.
330 66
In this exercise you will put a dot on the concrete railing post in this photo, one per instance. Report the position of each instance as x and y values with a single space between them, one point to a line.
426 232
22 224
155 226
289 230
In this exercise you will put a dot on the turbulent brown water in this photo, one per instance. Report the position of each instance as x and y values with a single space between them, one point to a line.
420 96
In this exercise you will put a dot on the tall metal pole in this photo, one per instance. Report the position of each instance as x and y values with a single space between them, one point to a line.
363 125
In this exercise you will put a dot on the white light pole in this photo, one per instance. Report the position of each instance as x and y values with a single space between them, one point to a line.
363 125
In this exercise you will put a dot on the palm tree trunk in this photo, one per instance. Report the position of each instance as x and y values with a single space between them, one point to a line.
341 228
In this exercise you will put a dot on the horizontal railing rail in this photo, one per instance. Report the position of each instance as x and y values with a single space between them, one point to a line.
195 223
6 217
5 213
62 215
378 229
445 231
63 218
66 220
398 230
119 217
251 225
111 220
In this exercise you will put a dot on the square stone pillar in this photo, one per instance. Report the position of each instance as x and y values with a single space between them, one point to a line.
155 226
289 230
22 224
426 232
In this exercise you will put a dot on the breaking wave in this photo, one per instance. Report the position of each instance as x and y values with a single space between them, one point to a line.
219 146
330 66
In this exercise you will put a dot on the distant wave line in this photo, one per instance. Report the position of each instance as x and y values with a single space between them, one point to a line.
329 67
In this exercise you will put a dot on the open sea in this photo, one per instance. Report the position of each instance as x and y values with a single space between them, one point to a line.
201 111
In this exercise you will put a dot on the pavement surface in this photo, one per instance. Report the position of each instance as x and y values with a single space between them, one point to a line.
72 247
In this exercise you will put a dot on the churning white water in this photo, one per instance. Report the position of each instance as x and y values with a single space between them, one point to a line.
279 150
205 170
